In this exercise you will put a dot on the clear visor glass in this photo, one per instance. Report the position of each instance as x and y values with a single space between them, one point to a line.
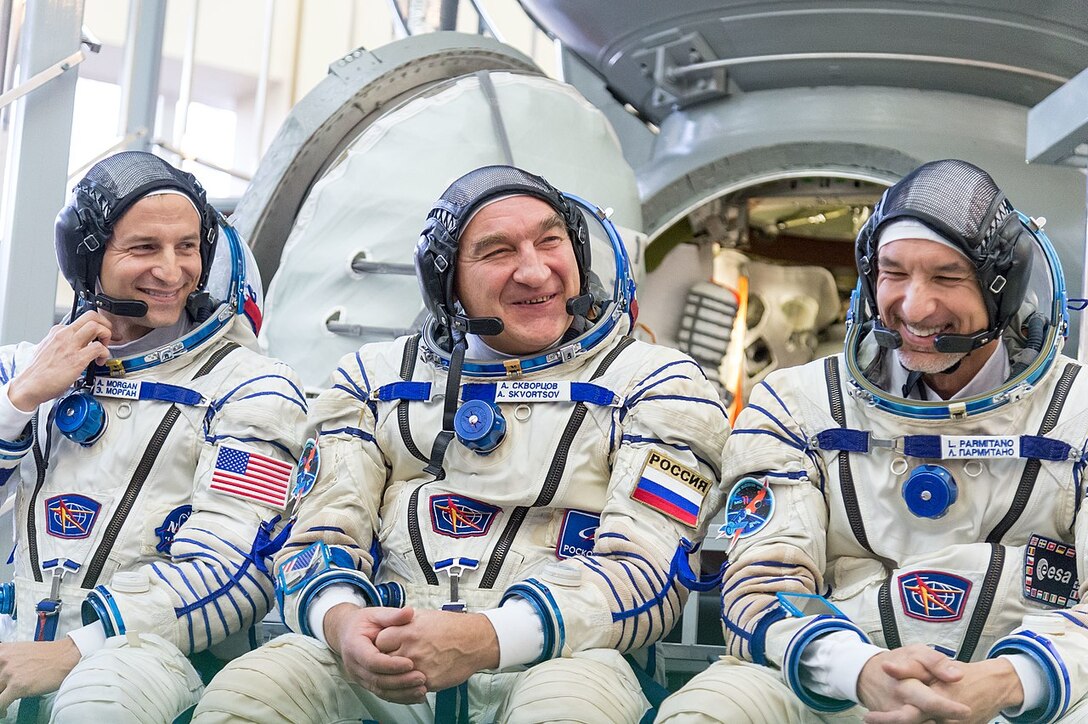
609 275
1031 341
223 269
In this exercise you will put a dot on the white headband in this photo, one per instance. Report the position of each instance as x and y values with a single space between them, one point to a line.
484 205
174 192
912 229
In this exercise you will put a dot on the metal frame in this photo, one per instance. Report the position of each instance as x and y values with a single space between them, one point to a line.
1058 134
37 171
143 60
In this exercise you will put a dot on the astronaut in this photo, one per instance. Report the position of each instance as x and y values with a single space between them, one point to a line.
150 448
913 554
523 474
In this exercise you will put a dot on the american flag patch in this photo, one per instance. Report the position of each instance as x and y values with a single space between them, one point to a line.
671 488
252 476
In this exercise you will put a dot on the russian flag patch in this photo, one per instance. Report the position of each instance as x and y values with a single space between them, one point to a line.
671 488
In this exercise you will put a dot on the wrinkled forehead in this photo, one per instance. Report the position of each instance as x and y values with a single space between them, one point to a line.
926 255
142 219
509 215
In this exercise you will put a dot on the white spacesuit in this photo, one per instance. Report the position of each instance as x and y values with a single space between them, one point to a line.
146 497
575 476
862 506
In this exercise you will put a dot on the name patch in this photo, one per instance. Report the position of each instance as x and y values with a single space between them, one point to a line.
671 488
522 391
577 534
933 595
1050 572
117 387
70 515
459 516
170 525
979 446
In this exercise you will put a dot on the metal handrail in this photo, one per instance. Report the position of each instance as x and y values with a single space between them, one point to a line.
186 156
678 71
42 77
123 143
487 21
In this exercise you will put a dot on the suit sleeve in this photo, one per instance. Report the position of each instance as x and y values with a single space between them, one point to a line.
330 543
665 442
15 437
1057 640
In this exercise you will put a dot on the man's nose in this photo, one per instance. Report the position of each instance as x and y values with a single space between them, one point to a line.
167 267
919 302
531 270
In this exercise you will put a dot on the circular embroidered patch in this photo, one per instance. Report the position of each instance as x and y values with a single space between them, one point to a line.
309 462
749 506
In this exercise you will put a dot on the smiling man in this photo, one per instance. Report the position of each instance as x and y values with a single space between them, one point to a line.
522 476
153 256
917 555
149 446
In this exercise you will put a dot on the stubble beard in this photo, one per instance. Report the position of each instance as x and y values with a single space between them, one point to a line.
928 363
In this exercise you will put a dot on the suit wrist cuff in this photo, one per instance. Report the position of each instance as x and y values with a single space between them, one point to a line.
519 630
325 600
832 663
791 669
89 638
1046 659
13 423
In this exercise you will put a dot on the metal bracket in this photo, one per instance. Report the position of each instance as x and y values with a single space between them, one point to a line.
42 77
675 86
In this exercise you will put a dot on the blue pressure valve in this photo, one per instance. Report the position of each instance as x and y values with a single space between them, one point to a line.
929 491
479 426
81 418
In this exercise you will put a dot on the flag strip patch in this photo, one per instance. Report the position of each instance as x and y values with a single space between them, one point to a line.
671 488
252 476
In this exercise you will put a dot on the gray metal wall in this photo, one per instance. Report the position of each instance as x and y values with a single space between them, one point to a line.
864 132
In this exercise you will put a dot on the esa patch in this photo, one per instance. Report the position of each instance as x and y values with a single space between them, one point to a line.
70 515
1050 572
309 463
459 516
170 526
933 595
671 488
577 534
749 506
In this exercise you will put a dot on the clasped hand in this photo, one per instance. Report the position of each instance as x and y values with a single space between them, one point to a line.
400 654
917 684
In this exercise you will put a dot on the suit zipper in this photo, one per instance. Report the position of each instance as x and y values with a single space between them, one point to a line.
407 367
985 603
887 614
139 477
1032 467
31 523
551 480
846 477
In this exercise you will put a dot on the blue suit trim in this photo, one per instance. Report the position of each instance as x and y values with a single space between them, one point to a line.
819 626
1042 653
